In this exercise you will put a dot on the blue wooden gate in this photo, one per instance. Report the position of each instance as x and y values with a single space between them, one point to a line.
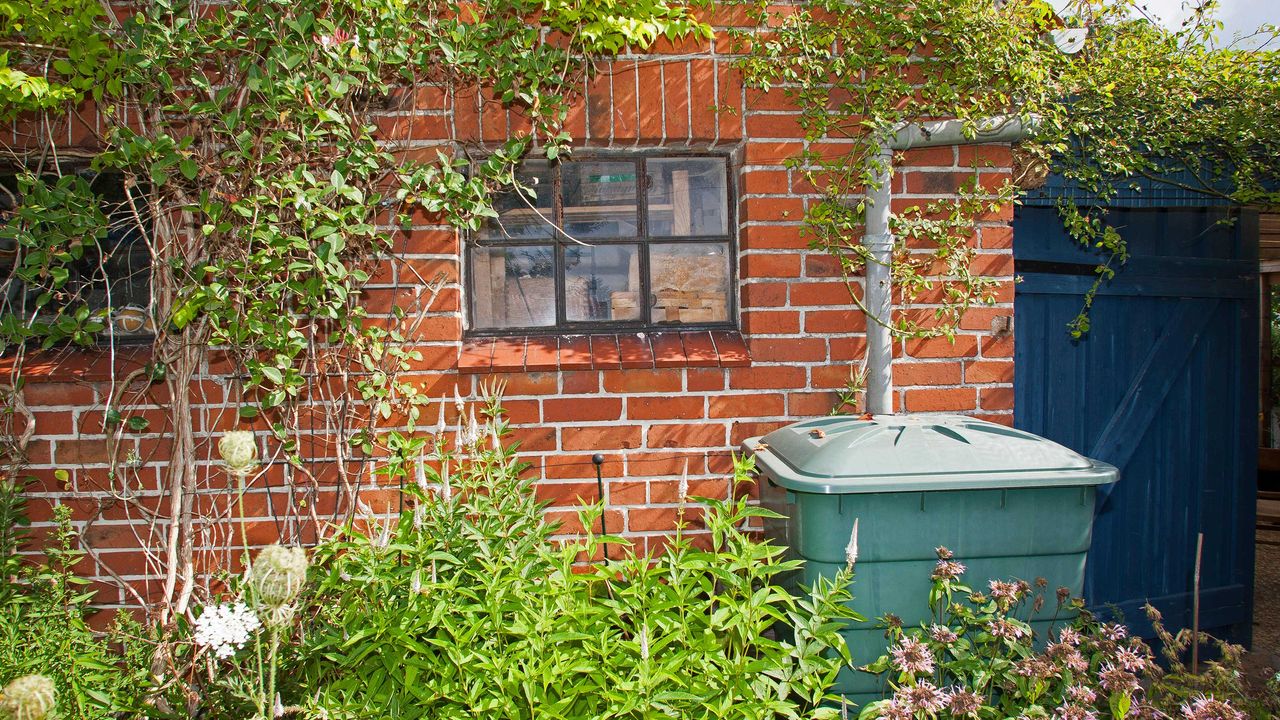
1164 386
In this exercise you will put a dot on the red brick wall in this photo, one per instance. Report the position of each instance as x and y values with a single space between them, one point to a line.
795 315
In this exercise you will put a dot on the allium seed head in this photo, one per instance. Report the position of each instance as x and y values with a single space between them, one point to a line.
30 697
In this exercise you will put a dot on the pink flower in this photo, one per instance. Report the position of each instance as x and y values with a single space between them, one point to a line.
943 634
1081 695
1131 660
1117 680
1074 712
894 710
963 703
1115 632
943 553
948 570
912 656
1006 629
1207 708
1069 636
923 697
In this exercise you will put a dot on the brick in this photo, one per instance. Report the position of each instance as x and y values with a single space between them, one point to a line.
766 294
90 451
983 371
580 382
821 293
593 439
572 493
792 350
830 322
508 354
748 405
996 398
687 435
675 79
668 491
765 182
772 237
769 266
729 101
628 492
581 409
541 353
38 394
829 377
944 156
774 126
652 519
662 407
766 378
651 103
704 124
822 265
1000 156
771 322
569 523
997 347
476 356
962 346
704 379
668 350
808 404
600 107
604 352
699 349
982 318
772 152
772 209
575 353
642 381
775 98
635 351
940 399
626 122
658 463
906 374
538 383
731 349
996 238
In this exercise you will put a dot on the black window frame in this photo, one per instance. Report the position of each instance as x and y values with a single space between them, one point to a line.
642 240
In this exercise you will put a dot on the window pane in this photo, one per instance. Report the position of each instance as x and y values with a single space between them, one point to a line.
516 218
513 287
602 282
690 282
599 199
688 196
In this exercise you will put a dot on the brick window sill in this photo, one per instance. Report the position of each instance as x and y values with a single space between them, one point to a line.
700 348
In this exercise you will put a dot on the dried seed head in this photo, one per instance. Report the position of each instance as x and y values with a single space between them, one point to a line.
239 450
278 574
30 697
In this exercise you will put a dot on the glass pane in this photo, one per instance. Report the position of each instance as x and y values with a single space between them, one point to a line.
599 199
602 282
690 282
517 217
513 287
688 196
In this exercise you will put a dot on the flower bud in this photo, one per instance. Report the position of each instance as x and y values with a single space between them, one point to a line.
239 450
30 697
277 575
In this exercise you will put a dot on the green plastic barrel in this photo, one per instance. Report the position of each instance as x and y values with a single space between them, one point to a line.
1009 504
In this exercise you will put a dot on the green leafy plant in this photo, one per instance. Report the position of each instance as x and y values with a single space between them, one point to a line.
43 623
469 605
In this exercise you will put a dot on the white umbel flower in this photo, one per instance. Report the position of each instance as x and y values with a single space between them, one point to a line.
239 450
226 627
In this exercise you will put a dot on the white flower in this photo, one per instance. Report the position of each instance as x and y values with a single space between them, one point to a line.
226 627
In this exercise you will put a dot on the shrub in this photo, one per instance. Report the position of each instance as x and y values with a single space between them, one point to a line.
467 606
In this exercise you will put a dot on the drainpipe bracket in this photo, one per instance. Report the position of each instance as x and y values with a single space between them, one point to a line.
878 243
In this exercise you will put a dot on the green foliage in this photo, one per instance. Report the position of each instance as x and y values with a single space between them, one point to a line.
43 626
467 606
1138 102
56 51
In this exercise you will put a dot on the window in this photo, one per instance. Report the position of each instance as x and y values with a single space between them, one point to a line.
607 243
111 275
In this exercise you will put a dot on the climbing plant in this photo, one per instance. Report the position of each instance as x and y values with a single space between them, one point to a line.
248 159
1137 102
